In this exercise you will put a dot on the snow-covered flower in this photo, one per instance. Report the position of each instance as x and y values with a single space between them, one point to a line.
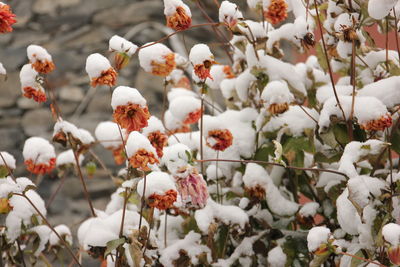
277 97
178 14
193 189
318 240
40 59
160 190
391 234
155 132
67 158
177 159
275 11
107 133
130 108
100 71
379 124
39 155
65 131
123 49
7 18
219 73
202 60
3 70
157 59
174 125
30 85
218 137
140 151
229 14
187 109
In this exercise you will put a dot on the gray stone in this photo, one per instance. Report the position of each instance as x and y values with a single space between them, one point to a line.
25 103
23 10
130 14
14 137
13 58
71 93
37 122
9 89
25 38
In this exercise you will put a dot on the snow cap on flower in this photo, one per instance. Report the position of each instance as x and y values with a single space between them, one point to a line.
6 18
176 158
130 108
30 86
178 14
277 97
219 73
63 231
140 151
187 109
174 125
157 59
202 60
317 237
155 124
121 45
218 136
229 13
391 233
378 9
39 155
68 158
177 92
64 129
8 158
160 190
107 133
100 71
40 59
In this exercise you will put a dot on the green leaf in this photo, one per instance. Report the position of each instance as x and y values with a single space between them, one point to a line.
294 148
263 152
3 171
113 244
341 134
356 262
396 145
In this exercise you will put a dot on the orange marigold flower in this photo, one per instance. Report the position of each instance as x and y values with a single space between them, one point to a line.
107 77
6 18
180 20
219 139
184 129
163 202
37 95
142 158
276 11
193 117
40 168
380 124
163 68
131 117
158 140
43 66
278 108
256 192
203 70
119 155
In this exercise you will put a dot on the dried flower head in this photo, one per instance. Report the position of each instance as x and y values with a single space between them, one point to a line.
30 84
40 59
7 18
123 49
157 59
202 60
219 139
178 14
275 11
140 151
193 189
229 14
187 109
39 155
100 71
256 192
380 124
130 108
276 97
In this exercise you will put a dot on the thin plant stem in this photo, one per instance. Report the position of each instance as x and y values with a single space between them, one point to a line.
53 196
50 226
201 132
362 259
387 44
164 105
353 83
103 166
327 60
85 191
308 114
8 167
275 164
396 33
142 200
21 253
